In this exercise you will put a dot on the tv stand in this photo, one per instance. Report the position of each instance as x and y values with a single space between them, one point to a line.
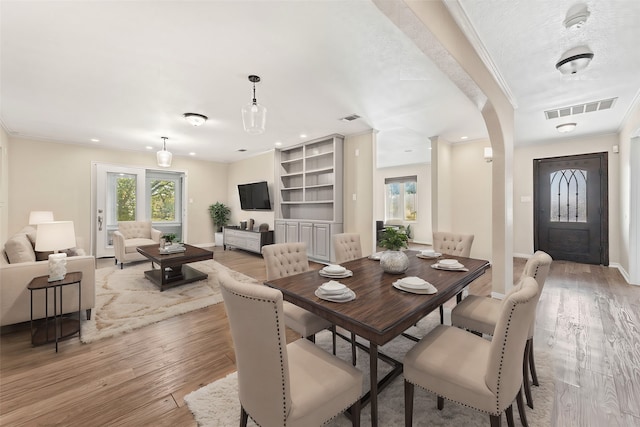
247 240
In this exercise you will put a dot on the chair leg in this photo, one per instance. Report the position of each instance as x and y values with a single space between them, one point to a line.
355 413
496 420
441 315
408 404
244 417
333 338
353 349
440 402
509 412
532 365
312 338
88 314
525 376
521 410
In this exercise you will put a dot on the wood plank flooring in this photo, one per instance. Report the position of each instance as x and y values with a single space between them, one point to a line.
588 316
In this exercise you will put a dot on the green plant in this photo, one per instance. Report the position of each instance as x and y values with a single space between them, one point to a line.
409 232
169 237
220 214
394 239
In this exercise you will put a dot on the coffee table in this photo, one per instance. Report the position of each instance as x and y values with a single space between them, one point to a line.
173 270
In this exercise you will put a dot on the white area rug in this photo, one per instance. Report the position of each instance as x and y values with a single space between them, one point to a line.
217 405
126 300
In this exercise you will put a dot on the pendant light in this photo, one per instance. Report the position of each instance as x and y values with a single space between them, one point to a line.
163 156
254 115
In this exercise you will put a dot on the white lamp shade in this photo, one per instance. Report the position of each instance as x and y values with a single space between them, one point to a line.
38 217
164 158
254 118
56 235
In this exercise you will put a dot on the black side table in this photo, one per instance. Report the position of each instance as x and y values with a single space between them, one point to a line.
57 327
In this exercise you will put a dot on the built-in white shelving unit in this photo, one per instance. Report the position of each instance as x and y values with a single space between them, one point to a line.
309 196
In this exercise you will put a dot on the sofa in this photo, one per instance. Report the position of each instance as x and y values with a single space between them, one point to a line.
129 236
19 263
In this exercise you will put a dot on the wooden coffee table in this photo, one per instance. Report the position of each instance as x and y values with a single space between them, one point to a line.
173 270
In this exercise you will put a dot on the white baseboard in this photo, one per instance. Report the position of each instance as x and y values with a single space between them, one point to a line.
624 273
497 295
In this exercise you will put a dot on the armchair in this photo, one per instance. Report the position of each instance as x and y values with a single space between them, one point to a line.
129 236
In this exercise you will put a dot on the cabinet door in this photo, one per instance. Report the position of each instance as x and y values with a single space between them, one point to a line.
306 236
292 232
280 231
322 241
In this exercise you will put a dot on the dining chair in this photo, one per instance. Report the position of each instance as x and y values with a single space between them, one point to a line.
347 247
278 384
287 259
480 314
456 244
467 369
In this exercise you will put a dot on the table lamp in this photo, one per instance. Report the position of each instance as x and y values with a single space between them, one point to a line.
38 217
53 236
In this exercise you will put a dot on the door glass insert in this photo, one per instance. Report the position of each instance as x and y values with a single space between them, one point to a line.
121 201
568 195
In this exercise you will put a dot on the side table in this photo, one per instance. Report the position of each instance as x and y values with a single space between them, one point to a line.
57 327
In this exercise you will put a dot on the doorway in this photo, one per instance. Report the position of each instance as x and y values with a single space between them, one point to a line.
571 210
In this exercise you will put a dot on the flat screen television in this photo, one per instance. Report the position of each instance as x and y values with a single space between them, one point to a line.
254 196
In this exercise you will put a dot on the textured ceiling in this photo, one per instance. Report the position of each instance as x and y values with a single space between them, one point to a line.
125 72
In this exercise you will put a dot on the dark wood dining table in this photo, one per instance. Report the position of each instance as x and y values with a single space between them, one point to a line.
380 312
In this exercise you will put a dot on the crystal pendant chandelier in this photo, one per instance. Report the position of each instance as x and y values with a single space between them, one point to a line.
254 115
164 156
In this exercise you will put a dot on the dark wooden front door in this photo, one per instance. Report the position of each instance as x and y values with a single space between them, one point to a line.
571 208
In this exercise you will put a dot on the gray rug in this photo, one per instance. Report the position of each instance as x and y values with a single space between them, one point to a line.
126 300
217 403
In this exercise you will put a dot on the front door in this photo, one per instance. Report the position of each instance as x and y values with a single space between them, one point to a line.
571 208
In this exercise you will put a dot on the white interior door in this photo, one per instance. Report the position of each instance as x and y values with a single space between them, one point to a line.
119 196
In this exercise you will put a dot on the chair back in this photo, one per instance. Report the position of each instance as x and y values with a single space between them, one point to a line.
537 267
135 229
258 331
346 247
285 259
452 243
504 372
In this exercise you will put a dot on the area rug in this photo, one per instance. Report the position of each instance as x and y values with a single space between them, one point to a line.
216 405
126 300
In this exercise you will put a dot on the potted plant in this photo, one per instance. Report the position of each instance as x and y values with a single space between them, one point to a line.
220 214
169 238
393 260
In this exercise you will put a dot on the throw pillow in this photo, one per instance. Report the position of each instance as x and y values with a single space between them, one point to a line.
19 249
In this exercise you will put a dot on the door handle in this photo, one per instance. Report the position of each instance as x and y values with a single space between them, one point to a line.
99 223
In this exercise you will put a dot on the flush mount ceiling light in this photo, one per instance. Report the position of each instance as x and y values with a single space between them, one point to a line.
574 60
576 16
195 119
254 115
164 157
566 127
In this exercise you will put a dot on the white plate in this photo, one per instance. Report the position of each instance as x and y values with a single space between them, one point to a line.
344 297
455 266
414 282
435 255
429 291
448 262
441 267
334 269
347 273
375 256
332 286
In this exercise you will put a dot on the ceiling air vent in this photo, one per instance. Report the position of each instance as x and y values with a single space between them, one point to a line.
604 104
349 118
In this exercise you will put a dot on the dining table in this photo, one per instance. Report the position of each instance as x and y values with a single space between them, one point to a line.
380 312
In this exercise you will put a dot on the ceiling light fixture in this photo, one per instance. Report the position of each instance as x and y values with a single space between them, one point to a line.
195 119
576 16
574 60
254 115
164 157
566 127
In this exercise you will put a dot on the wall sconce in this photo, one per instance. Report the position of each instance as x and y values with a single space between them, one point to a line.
488 154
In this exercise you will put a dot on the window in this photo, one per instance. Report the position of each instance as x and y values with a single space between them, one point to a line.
568 195
164 201
401 198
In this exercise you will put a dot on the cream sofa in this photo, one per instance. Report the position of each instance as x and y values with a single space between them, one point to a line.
129 236
19 263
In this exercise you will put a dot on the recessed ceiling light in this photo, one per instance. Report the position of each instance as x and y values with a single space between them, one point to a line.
464 137
566 127
278 144
95 140
148 147
303 135
192 154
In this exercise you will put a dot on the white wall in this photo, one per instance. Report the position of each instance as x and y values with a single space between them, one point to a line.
4 185
252 169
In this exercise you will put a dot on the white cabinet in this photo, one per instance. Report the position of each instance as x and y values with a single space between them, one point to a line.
308 202
245 239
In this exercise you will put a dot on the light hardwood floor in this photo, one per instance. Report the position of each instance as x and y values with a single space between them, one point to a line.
588 316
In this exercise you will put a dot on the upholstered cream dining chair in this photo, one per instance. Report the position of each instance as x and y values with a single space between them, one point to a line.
347 247
287 259
455 244
480 314
467 369
278 384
